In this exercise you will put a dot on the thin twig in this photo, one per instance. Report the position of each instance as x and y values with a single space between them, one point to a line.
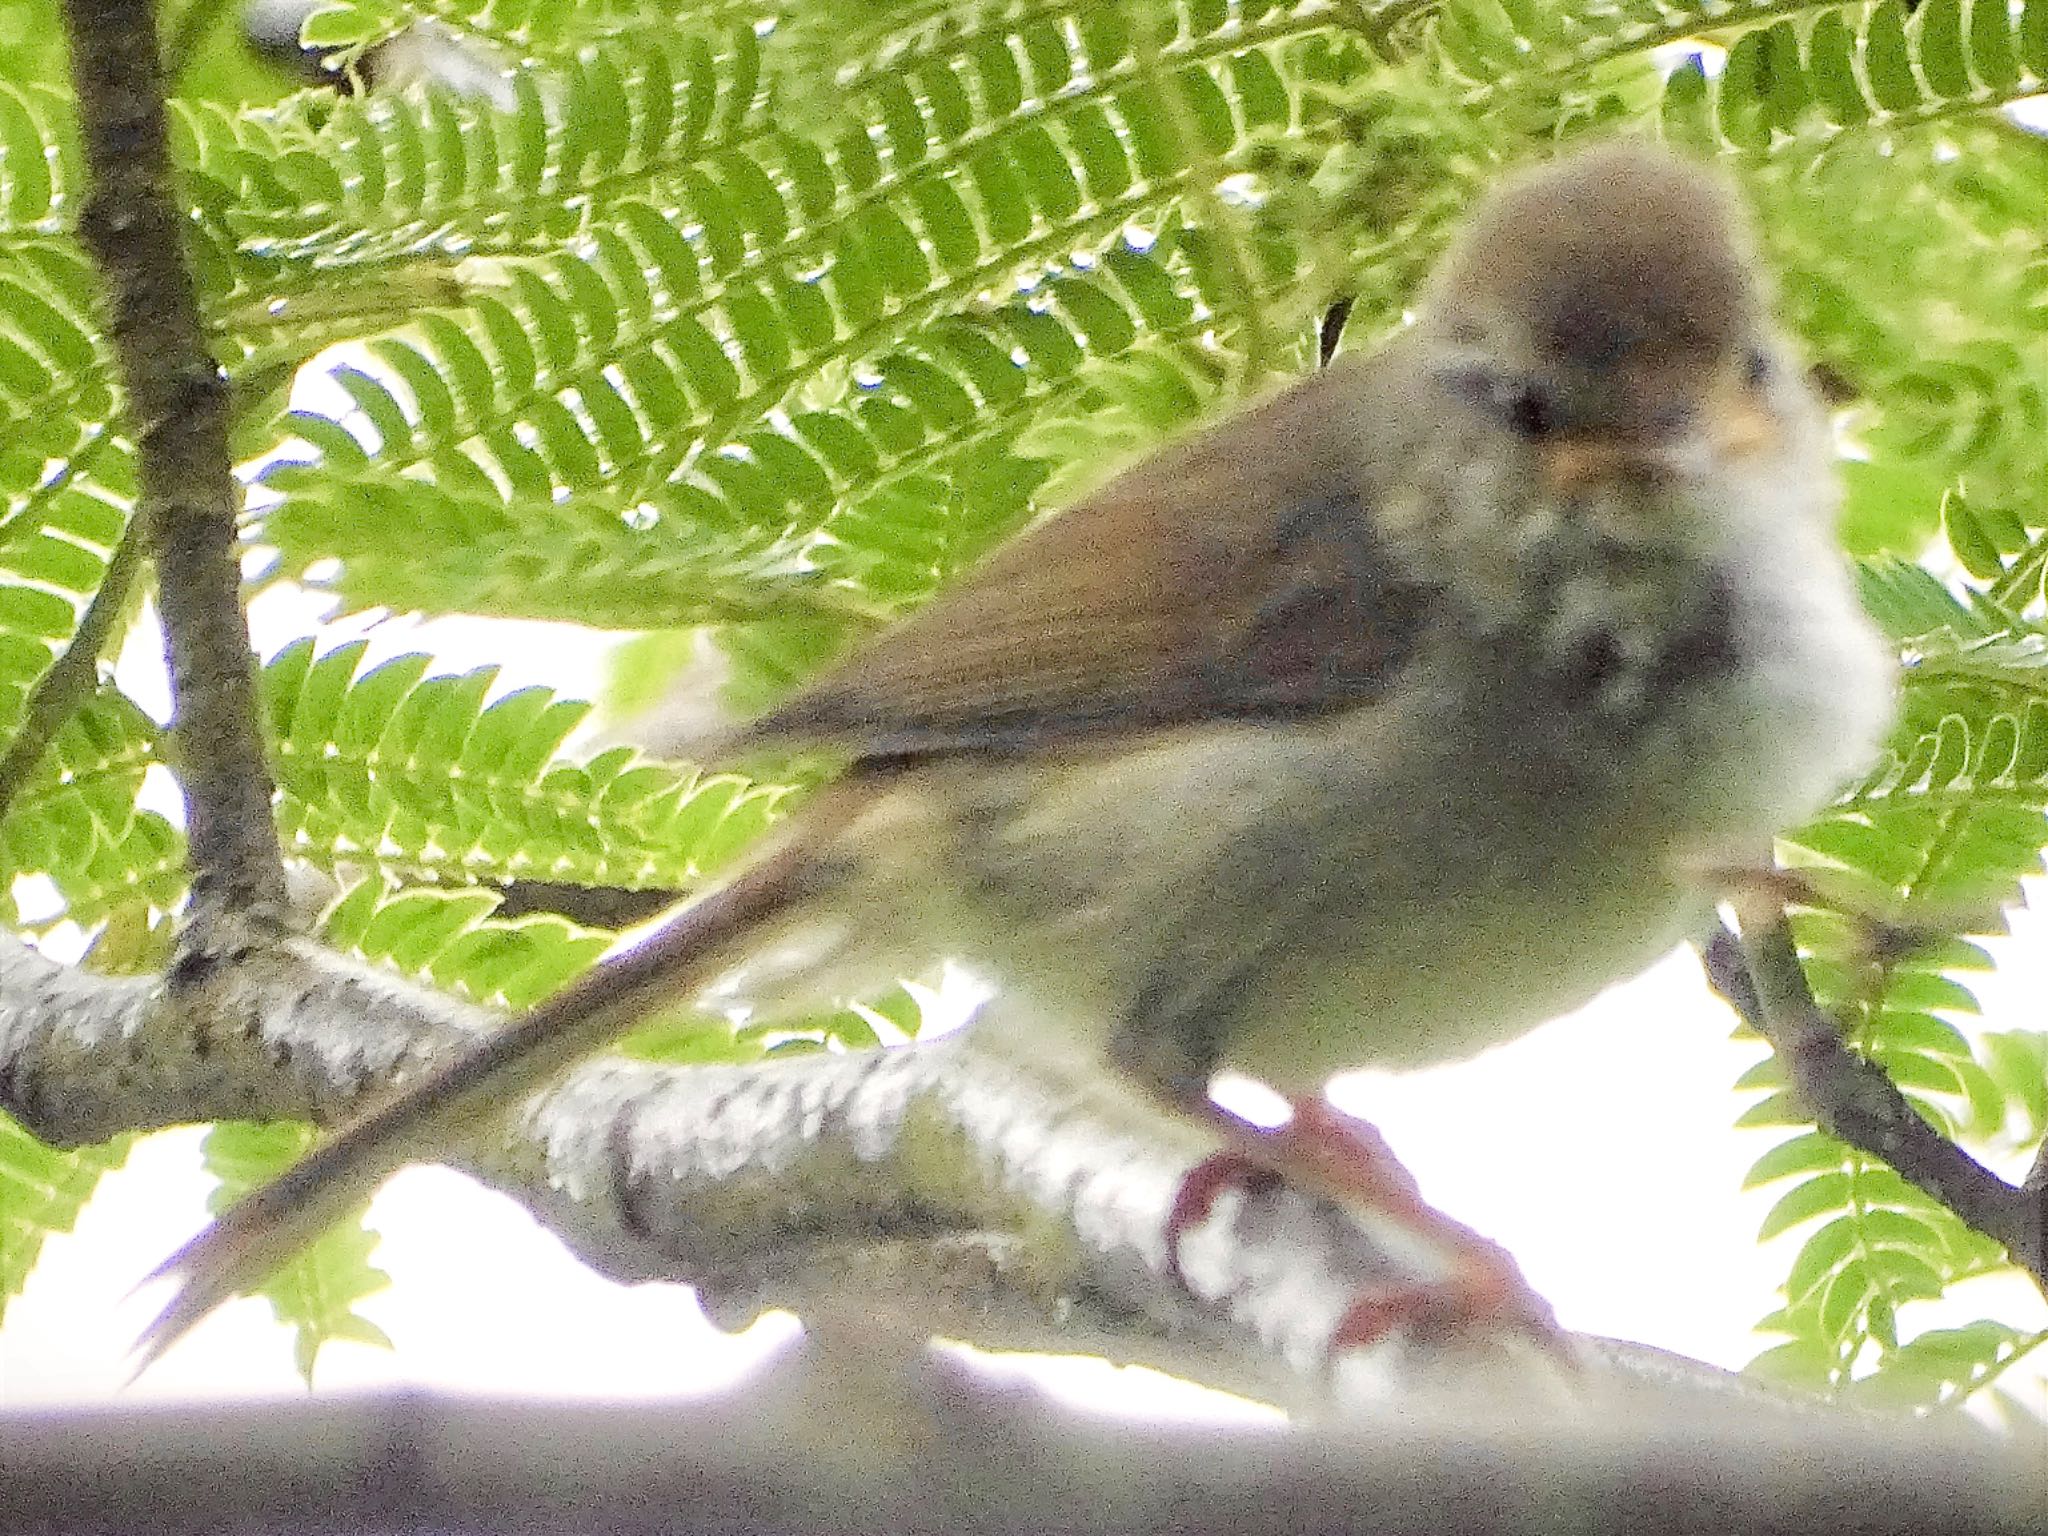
1331 331
1377 24
1854 1101
198 20
594 906
1984 1378
178 402
2023 577
74 675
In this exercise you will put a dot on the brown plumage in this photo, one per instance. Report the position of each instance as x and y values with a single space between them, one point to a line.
1172 596
1373 726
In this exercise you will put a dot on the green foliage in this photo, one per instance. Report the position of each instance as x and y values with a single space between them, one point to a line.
42 1190
75 820
449 937
685 1037
699 367
421 778
315 1294
1912 268
1939 834
1840 69
770 317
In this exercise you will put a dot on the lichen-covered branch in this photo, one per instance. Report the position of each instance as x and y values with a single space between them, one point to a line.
178 402
995 1205
969 1197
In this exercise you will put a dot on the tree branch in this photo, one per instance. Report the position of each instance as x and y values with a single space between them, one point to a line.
198 19
960 1193
178 400
943 1453
1852 1099
73 675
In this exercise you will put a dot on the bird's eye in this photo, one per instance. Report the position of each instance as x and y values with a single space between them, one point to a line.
1525 405
1528 409
1756 367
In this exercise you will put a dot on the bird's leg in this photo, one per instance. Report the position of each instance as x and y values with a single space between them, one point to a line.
1323 1150
1172 1042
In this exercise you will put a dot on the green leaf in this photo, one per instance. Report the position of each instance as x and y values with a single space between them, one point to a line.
1821 1255
42 1190
1811 1152
1889 508
316 1293
418 775
1801 1363
1827 1192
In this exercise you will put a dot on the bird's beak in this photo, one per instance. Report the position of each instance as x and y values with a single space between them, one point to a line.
1732 423
1574 464
1735 422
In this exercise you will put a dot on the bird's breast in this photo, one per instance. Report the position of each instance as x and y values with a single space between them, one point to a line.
1505 832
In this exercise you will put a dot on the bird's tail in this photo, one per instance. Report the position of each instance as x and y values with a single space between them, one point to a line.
249 1242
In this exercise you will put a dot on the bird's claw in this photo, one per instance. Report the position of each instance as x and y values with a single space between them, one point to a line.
1333 1154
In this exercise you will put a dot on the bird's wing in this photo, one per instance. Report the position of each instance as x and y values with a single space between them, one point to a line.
1237 575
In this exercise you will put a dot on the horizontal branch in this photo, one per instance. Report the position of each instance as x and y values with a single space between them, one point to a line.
974 1198
951 1189
800 1454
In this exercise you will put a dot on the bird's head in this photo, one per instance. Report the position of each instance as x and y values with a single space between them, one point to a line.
1604 309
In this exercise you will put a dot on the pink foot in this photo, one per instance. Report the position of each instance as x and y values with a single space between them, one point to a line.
1487 1292
1196 1197
1331 1153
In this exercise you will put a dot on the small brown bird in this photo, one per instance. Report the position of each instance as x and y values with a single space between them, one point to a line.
1372 727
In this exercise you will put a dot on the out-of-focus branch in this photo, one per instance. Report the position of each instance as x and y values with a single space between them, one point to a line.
1852 1099
178 401
944 1455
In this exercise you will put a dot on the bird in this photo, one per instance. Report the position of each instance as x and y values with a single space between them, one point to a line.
1370 727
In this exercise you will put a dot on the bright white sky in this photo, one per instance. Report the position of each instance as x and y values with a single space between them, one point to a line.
1598 1150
